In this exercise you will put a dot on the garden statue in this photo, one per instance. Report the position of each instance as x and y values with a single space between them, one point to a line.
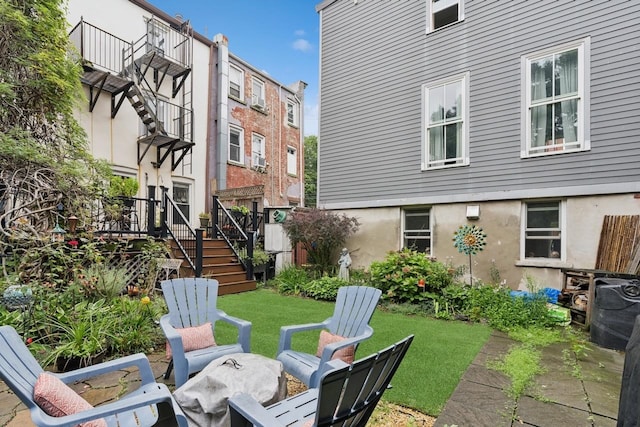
344 262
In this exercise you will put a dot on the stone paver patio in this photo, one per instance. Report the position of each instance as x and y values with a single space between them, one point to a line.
589 399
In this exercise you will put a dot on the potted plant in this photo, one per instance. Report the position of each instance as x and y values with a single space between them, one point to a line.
204 219
259 259
125 188
239 214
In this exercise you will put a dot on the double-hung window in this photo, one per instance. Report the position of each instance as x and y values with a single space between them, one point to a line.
417 230
445 122
444 12
257 93
292 161
543 229
236 82
292 113
258 151
555 118
236 144
181 198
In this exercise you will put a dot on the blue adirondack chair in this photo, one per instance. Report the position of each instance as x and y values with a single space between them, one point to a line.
346 395
150 404
353 310
192 302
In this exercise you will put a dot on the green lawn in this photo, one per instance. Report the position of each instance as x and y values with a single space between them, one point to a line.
440 353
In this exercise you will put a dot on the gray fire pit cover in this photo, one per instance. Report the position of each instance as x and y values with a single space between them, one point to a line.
204 397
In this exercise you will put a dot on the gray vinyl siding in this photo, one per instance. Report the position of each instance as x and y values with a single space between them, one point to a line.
376 55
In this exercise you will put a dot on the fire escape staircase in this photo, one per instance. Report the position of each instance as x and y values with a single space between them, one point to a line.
121 69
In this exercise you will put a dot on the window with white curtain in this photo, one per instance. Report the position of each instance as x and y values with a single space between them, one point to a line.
555 116
236 82
445 122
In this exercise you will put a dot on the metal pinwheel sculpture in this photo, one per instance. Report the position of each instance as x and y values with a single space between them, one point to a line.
469 239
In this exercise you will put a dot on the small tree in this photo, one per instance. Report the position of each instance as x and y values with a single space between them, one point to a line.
321 232
44 156
310 170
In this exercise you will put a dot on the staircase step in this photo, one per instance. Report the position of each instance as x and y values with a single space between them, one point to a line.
220 263
223 268
147 120
137 104
236 287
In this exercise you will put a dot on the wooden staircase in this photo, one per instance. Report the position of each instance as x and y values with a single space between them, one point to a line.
220 263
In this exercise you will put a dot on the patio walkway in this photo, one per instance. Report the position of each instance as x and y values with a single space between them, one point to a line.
589 398
478 401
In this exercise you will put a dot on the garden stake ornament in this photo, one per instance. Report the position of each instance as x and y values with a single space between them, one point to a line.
469 239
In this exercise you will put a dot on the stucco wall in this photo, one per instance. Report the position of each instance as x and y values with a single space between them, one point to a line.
380 232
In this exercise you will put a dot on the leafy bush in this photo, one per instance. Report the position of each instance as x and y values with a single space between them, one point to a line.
321 232
325 288
136 330
398 275
291 280
102 280
504 312
79 332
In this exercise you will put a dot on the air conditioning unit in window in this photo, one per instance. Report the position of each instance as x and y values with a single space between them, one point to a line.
260 162
258 103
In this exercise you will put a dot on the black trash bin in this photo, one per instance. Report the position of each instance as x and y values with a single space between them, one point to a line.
614 310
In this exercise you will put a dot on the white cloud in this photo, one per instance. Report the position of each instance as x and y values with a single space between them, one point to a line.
299 33
302 45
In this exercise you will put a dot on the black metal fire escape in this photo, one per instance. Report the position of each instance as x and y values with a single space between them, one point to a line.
136 71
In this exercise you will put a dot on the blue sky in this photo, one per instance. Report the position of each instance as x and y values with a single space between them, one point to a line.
279 37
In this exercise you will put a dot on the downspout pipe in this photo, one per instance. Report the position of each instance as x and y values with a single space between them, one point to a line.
222 116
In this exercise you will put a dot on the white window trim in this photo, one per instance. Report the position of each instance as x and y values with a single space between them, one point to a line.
241 137
443 5
296 113
261 154
584 109
241 71
403 224
293 159
465 121
258 100
543 262
190 185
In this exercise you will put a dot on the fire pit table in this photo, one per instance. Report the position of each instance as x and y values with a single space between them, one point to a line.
204 397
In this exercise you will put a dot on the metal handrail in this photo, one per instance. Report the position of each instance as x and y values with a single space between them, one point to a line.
98 47
188 240
225 226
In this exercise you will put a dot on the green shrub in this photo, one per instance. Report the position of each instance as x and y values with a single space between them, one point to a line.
398 275
504 312
290 280
103 281
359 277
135 329
325 288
